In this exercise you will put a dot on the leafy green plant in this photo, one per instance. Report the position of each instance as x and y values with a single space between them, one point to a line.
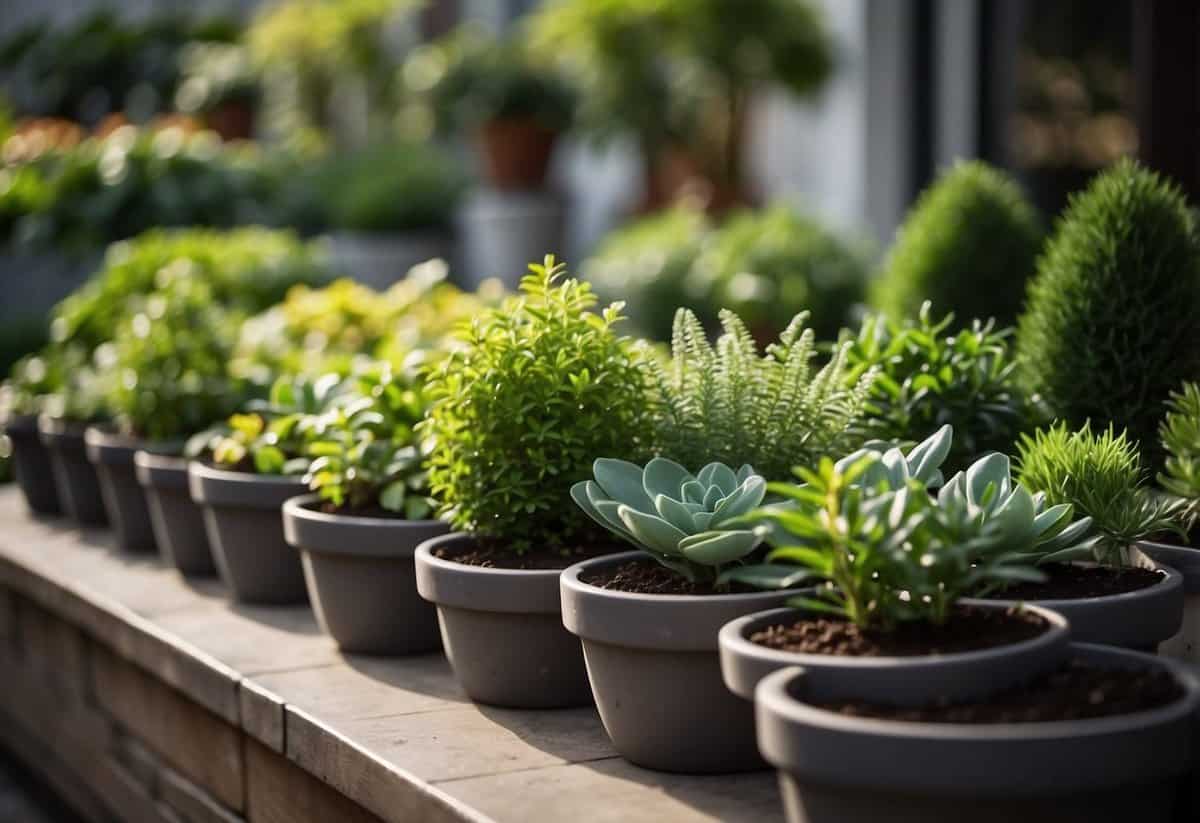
728 403
271 436
540 388
968 245
768 265
681 520
1109 330
929 376
888 551
1180 436
365 449
31 379
1100 475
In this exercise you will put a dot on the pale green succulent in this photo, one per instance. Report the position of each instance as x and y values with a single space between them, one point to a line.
686 522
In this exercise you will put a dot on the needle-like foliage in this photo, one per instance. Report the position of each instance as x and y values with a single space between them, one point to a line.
1180 435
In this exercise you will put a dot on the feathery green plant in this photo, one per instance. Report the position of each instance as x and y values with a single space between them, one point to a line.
1110 326
727 403
1180 435
1101 476
969 245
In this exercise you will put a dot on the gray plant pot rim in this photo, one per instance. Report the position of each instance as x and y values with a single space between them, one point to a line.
318 532
60 432
1183 559
618 618
773 693
481 588
161 471
21 425
224 488
1172 579
734 636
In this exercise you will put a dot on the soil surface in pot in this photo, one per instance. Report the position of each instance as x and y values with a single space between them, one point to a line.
648 577
497 555
1067 581
967 629
1076 691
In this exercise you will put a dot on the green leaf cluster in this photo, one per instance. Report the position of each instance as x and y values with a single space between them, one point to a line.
726 402
1100 475
929 376
365 449
1109 330
969 245
1180 436
683 521
540 388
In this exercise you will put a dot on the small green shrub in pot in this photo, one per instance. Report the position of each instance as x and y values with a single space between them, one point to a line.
930 376
31 379
540 387
1108 330
1111 592
371 510
969 245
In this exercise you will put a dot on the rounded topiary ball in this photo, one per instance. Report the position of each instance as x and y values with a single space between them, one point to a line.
968 245
1112 325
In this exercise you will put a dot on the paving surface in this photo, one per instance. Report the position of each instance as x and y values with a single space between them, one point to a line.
395 735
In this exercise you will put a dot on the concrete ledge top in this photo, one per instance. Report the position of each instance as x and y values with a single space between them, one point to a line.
396 735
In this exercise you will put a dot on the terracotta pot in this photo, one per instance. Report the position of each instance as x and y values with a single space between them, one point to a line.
516 152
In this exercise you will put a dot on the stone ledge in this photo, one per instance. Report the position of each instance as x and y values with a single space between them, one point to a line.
395 737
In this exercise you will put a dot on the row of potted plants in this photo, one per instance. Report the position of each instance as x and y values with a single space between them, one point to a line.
905 621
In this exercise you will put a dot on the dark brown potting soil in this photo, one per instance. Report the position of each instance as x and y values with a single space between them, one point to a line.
499 556
649 577
1068 581
968 629
1076 691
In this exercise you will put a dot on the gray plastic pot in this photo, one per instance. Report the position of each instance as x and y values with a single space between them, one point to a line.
244 523
74 475
112 455
655 673
178 522
1134 620
361 577
502 630
902 681
31 464
1184 644
839 769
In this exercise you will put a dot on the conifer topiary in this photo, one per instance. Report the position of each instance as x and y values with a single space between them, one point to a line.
1111 325
969 245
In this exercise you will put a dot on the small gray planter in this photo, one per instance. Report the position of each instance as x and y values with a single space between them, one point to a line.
244 522
31 464
903 681
112 455
379 259
502 630
361 577
178 522
1184 644
655 673
1134 620
839 769
74 476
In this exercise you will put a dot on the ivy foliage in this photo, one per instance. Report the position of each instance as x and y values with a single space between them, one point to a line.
930 376
1110 329
775 411
969 245
540 388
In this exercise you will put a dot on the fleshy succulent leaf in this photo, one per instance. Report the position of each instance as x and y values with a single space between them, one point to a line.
622 481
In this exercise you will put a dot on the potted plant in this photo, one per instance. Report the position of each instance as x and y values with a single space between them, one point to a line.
492 89
241 474
1109 591
648 620
1104 737
65 416
538 389
891 620
32 378
371 510
1180 479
